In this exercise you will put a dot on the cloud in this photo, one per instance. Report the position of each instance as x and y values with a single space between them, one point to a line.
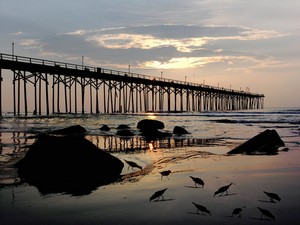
31 43
127 41
183 38
194 62
157 46
17 33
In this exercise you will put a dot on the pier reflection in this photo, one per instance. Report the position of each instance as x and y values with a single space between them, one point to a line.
13 145
139 143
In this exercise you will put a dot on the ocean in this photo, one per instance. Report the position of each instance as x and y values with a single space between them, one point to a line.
200 153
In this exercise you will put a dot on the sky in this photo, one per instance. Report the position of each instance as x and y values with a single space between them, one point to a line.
239 44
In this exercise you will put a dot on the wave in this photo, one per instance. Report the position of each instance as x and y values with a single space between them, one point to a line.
258 122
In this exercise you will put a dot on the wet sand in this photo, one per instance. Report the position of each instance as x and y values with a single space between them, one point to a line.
127 201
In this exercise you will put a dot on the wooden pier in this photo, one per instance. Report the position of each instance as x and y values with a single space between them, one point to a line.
58 87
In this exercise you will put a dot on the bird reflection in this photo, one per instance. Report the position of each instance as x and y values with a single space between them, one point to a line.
198 181
165 173
238 211
272 196
266 213
223 189
201 208
133 164
158 194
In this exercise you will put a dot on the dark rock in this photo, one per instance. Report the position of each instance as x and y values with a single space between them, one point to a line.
123 127
150 129
266 142
180 130
127 133
105 128
72 130
147 124
67 164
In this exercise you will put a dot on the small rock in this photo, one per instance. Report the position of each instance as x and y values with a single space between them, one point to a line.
180 130
105 128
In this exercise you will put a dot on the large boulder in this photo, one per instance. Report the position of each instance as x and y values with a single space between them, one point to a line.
150 129
266 142
147 124
69 164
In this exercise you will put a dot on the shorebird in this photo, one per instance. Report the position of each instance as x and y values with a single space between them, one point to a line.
198 181
158 194
221 190
201 208
272 196
133 164
238 211
165 173
266 213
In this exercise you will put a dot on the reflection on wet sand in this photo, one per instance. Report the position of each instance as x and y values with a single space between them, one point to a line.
138 143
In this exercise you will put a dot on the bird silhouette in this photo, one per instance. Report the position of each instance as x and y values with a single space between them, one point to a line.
158 194
223 189
198 181
201 208
165 173
272 196
133 164
238 211
266 213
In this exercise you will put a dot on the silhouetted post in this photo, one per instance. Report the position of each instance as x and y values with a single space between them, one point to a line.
40 94
136 98
19 90
53 94
1 91
104 98
124 98
132 90
187 100
75 97
169 99
82 93
13 50
153 97
70 94
25 93
181 100
66 94
91 97
120 97
14 91
47 95
35 95
175 100
115 98
97 93
58 81
108 96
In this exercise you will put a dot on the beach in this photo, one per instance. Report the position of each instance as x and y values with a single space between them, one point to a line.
202 153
